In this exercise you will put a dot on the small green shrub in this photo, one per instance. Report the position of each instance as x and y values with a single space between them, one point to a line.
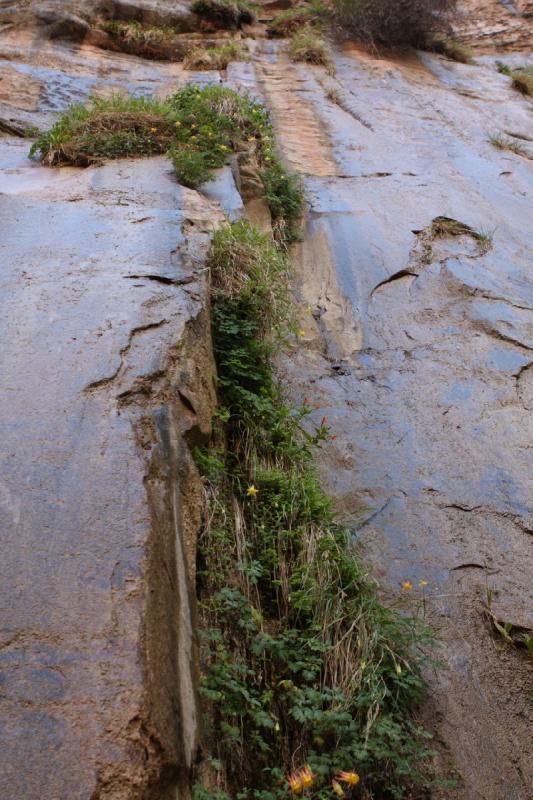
389 22
308 45
302 664
225 13
453 50
214 57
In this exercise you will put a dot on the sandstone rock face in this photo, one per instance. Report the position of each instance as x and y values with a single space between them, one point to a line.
417 347
418 351
106 382
106 363
493 26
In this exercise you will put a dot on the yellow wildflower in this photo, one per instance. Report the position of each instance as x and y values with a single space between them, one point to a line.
252 491
223 147
352 778
177 124
295 783
422 583
301 332
407 585
398 669
337 788
307 777
153 130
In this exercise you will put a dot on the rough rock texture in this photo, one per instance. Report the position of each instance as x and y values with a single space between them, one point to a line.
496 25
419 348
419 353
106 381
106 364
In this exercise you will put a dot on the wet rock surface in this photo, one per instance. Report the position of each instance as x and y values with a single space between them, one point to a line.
417 347
419 352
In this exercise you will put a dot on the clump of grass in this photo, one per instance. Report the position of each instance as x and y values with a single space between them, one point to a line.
502 142
289 21
333 95
198 128
302 664
522 77
453 50
310 46
447 226
157 42
523 80
214 57
114 127
225 14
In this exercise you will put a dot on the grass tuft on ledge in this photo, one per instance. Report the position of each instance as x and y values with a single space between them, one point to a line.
310 46
215 57
199 128
304 670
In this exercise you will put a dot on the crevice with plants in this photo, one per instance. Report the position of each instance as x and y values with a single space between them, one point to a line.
310 683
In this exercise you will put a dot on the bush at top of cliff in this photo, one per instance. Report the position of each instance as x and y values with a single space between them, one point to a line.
395 22
225 13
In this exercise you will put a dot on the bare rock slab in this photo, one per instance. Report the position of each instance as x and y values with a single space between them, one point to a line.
105 367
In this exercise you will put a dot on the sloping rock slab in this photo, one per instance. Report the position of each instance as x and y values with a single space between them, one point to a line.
105 367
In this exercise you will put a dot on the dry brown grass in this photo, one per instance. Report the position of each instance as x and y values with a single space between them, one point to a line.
214 57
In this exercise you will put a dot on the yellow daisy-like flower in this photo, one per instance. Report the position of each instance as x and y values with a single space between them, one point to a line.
407 585
301 332
223 147
252 491
352 778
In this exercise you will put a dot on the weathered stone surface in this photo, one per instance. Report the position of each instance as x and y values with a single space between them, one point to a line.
105 365
418 350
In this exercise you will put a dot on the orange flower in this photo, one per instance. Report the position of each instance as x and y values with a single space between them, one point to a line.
407 585
307 777
352 778
295 783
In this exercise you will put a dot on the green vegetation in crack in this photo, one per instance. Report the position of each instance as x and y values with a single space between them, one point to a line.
309 682
200 128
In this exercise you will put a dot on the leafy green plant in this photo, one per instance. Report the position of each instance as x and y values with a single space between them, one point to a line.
302 663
